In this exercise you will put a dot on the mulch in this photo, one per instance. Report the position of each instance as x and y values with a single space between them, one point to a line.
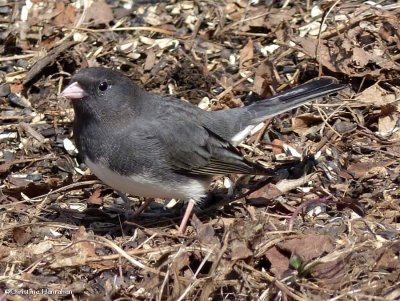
329 232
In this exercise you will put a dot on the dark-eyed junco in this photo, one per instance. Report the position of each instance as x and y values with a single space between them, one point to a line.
159 146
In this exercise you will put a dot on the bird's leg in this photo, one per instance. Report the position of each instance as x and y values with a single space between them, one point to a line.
145 204
142 207
123 197
189 208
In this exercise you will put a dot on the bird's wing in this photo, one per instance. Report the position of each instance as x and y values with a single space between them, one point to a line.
189 147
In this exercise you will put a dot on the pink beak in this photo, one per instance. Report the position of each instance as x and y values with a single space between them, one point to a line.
73 91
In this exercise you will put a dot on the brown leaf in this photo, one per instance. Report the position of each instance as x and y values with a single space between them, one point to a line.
302 124
277 16
279 262
102 265
16 87
246 54
387 258
325 50
310 246
21 236
265 76
150 60
387 124
66 16
360 56
95 198
240 250
79 252
367 169
29 130
205 232
180 261
264 194
80 234
376 96
5 167
335 57
344 127
4 251
17 181
389 31
330 273
99 12
277 146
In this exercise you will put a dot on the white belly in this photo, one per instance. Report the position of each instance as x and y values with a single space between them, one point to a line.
139 185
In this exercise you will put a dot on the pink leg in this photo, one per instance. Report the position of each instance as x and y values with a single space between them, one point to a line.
189 208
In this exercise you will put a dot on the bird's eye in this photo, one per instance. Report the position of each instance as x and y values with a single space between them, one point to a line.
103 86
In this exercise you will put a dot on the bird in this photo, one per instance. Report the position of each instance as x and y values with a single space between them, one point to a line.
157 146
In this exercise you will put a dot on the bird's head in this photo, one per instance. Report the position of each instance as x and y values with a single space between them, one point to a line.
101 92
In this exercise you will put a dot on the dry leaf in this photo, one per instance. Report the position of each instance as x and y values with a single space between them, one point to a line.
16 87
21 236
334 56
264 77
205 232
264 194
95 198
150 60
246 54
387 258
279 262
330 273
367 169
360 56
240 250
99 12
42 247
66 16
277 146
309 246
386 125
376 95
306 123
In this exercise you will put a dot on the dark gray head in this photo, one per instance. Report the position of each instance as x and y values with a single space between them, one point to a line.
102 93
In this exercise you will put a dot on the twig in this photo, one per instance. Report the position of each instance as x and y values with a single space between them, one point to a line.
38 224
284 288
15 117
241 21
7 165
209 282
17 57
126 255
325 200
325 120
68 187
250 34
319 36
237 83
195 275
195 32
134 28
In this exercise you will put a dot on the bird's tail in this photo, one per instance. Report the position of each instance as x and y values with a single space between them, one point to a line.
292 98
235 124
